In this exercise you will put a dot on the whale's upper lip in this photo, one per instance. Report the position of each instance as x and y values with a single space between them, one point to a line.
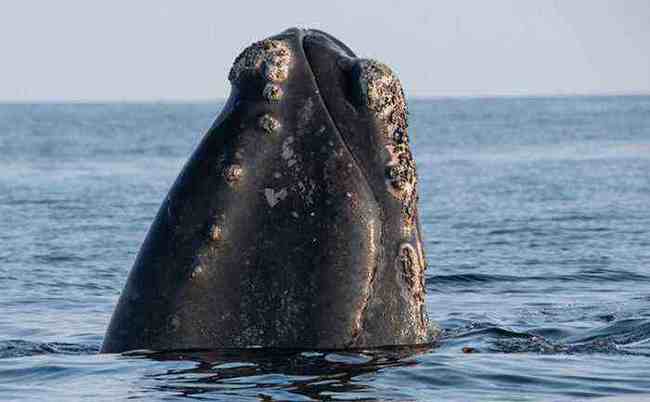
331 63
334 60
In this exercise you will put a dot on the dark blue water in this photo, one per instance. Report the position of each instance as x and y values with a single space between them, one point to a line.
537 221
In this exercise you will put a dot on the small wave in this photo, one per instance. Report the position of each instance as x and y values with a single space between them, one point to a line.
573 218
20 348
57 258
591 275
622 337
622 332
534 231
463 279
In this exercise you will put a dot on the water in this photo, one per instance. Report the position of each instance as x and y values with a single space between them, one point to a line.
537 221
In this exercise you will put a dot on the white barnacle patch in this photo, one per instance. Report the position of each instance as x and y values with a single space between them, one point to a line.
270 57
287 150
216 233
381 89
272 92
301 187
275 71
197 271
269 124
233 173
401 179
372 236
411 272
274 197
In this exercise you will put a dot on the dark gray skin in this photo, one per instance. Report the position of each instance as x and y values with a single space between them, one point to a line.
294 224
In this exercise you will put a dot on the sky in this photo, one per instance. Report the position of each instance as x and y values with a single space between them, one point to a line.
125 50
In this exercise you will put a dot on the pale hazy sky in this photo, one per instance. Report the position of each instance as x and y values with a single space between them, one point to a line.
182 50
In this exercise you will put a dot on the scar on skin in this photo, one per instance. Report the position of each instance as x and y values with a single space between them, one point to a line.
273 197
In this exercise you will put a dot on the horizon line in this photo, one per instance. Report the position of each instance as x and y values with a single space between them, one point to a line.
414 98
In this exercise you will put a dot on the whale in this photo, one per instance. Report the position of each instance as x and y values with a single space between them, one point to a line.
294 223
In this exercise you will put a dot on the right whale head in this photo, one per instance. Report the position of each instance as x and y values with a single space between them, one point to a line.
294 223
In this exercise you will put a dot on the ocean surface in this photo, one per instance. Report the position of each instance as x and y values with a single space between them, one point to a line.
536 215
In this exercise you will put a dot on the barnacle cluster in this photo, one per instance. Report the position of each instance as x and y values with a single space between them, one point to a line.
233 174
270 58
269 124
384 96
411 271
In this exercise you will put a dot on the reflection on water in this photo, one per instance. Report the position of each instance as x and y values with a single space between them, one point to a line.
273 374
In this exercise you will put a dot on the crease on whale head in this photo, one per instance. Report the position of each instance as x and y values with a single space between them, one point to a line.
294 223
367 104
363 98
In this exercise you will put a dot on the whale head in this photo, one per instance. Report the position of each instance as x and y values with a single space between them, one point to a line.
294 223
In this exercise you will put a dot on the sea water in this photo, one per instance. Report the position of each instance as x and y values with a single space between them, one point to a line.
536 218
